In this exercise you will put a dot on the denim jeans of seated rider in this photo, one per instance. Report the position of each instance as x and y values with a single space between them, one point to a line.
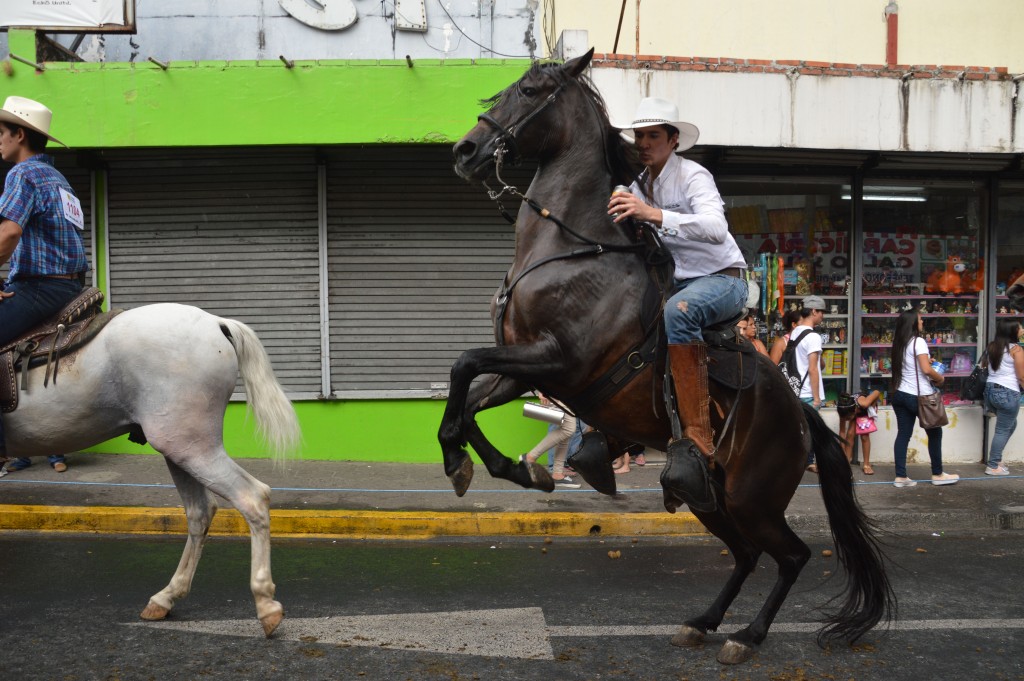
1006 404
34 301
904 406
705 301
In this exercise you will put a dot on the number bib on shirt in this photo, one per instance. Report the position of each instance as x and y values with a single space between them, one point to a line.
72 208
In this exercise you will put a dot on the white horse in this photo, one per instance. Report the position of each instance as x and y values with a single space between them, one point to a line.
168 371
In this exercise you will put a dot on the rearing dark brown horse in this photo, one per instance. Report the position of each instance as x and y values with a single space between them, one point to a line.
570 309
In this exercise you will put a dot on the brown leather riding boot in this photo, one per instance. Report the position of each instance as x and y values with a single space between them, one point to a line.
690 375
686 476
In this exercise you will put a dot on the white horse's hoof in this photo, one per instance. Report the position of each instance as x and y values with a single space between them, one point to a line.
688 637
154 612
735 653
272 620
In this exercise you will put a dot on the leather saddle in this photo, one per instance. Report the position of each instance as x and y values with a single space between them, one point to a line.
732 359
65 332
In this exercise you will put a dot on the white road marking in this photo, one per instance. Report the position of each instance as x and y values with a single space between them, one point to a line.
511 633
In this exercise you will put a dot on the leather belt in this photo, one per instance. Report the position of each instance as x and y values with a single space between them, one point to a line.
732 272
49 276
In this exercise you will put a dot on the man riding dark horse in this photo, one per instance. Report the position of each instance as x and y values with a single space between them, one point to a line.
680 199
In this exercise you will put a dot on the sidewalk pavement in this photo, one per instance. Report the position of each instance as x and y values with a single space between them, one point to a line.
353 499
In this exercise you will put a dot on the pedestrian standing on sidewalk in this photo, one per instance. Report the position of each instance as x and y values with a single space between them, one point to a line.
559 439
57 463
912 375
1002 390
789 320
748 329
808 354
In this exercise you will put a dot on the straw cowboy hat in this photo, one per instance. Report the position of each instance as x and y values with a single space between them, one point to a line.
657 111
29 114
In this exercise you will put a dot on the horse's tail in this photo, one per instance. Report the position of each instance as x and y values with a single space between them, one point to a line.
276 421
867 596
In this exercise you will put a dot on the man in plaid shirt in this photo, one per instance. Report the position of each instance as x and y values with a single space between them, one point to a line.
40 218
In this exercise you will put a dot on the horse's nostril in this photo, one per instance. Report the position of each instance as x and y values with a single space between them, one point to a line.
464 149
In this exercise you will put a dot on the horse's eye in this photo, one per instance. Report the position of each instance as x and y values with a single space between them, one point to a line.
529 91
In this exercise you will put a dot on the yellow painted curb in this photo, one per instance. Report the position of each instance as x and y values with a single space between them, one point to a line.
350 524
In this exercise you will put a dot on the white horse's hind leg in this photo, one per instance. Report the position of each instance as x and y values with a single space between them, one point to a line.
200 507
251 498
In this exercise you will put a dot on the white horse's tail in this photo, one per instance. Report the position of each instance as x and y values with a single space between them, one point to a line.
276 420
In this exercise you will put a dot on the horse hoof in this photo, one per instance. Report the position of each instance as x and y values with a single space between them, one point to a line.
462 477
734 652
688 637
272 621
542 480
154 612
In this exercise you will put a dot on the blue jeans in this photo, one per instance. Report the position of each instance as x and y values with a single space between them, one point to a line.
705 301
1006 404
23 462
904 405
34 301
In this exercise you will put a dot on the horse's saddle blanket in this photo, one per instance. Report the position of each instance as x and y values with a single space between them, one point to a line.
70 329
732 363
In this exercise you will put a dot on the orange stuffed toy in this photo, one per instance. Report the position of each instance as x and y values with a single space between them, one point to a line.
947 280
973 281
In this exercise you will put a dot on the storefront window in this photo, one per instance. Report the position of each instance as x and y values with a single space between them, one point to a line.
922 248
1009 264
795 236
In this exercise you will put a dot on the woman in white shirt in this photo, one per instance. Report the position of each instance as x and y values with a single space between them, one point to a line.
1002 391
912 375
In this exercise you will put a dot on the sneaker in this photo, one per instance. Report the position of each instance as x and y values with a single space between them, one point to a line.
999 470
60 466
904 482
945 479
567 483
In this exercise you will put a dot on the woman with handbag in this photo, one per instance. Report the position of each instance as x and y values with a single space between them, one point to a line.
914 393
1002 389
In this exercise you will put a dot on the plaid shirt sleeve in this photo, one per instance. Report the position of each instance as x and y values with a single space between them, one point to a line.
18 200
50 243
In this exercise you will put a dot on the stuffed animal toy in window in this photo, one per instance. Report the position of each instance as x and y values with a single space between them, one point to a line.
949 279
973 280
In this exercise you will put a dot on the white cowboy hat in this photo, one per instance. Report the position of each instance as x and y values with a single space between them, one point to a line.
657 111
30 114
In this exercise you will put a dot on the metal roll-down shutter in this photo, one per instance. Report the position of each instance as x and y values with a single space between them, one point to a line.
233 231
414 255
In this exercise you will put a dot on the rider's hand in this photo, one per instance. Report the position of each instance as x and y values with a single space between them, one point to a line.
5 295
629 205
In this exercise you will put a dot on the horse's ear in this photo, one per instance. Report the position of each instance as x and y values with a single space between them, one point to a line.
574 67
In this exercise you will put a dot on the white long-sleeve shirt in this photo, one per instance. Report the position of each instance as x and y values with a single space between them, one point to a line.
694 228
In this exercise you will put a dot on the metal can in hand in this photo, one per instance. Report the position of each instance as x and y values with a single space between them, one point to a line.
620 189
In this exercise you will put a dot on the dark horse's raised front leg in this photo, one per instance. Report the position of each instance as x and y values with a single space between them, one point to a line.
515 368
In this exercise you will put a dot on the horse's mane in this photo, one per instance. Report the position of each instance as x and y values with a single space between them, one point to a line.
622 157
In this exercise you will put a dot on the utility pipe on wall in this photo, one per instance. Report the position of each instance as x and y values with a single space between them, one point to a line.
892 19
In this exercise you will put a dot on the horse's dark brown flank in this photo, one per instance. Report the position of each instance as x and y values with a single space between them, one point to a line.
567 321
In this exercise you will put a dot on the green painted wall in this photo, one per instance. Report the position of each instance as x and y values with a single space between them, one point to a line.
242 103
247 103
367 430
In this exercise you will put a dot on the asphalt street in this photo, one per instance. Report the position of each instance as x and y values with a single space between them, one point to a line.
491 608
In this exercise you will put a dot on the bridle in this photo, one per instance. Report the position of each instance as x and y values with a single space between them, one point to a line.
505 142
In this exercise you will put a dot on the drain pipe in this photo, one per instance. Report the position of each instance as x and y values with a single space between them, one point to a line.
892 20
